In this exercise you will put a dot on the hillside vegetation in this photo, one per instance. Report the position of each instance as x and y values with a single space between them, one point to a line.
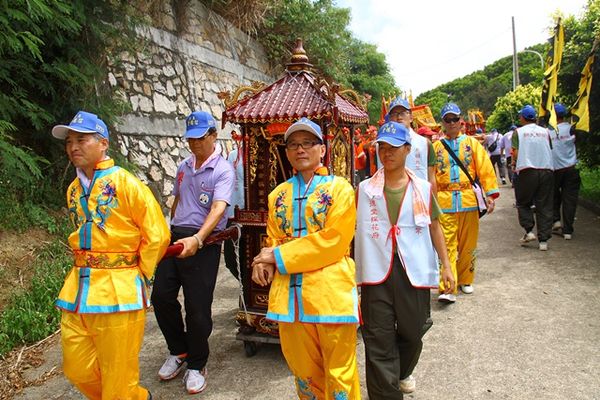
490 89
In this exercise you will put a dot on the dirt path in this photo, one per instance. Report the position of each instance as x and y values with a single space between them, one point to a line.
531 330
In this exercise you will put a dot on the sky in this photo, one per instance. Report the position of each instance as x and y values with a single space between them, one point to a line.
428 43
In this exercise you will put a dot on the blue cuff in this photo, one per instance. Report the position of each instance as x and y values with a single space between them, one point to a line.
279 261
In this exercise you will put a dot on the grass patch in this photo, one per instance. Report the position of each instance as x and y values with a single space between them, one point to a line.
30 314
590 184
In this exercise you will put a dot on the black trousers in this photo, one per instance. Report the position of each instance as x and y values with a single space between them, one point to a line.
229 255
535 187
497 160
393 315
197 275
566 192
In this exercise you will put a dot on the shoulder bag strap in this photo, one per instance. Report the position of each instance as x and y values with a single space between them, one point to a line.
457 160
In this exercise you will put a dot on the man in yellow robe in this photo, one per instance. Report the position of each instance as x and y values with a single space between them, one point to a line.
313 289
460 218
120 235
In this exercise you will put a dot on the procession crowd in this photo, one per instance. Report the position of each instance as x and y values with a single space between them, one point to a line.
413 221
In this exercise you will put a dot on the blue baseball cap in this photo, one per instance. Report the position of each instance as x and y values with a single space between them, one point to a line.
528 112
197 124
82 122
393 133
560 109
450 108
304 124
398 102
478 130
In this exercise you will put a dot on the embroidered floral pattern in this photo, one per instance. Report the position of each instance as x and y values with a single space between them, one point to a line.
304 392
319 207
281 212
75 218
104 261
105 201
340 395
468 155
441 164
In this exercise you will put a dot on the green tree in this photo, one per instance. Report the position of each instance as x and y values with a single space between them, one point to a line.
481 89
580 35
54 56
330 47
507 107
368 72
323 28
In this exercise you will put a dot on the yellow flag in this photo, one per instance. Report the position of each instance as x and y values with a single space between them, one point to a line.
551 75
580 111
410 99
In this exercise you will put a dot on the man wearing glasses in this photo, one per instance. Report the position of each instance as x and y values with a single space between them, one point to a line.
203 190
460 221
313 293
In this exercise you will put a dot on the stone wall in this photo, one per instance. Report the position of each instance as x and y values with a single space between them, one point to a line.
172 74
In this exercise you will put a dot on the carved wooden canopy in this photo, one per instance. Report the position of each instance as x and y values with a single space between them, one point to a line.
298 93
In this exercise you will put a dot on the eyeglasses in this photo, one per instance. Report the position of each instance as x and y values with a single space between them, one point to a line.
397 114
305 145
451 120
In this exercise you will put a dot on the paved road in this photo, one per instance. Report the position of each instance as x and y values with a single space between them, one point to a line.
531 330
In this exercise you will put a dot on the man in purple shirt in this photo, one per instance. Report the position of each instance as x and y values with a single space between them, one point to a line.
202 190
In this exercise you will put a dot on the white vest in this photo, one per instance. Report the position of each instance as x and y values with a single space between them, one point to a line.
373 241
534 148
418 156
563 147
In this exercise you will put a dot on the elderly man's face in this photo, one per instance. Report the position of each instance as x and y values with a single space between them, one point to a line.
307 156
85 150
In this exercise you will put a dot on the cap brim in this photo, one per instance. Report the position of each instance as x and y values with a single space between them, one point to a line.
392 141
61 131
196 133
528 117
301 127
396 106
450 112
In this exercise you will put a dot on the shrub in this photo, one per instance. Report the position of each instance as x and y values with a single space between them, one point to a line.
30 314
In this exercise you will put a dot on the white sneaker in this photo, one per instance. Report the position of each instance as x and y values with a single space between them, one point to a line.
528 237
543 246
195 381
567 236
467 289
171 368
556 226
447 298
408 384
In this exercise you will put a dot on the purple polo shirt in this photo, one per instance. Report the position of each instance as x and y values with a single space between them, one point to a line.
198 189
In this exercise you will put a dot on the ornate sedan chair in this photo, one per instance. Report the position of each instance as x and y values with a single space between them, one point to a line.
264 114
